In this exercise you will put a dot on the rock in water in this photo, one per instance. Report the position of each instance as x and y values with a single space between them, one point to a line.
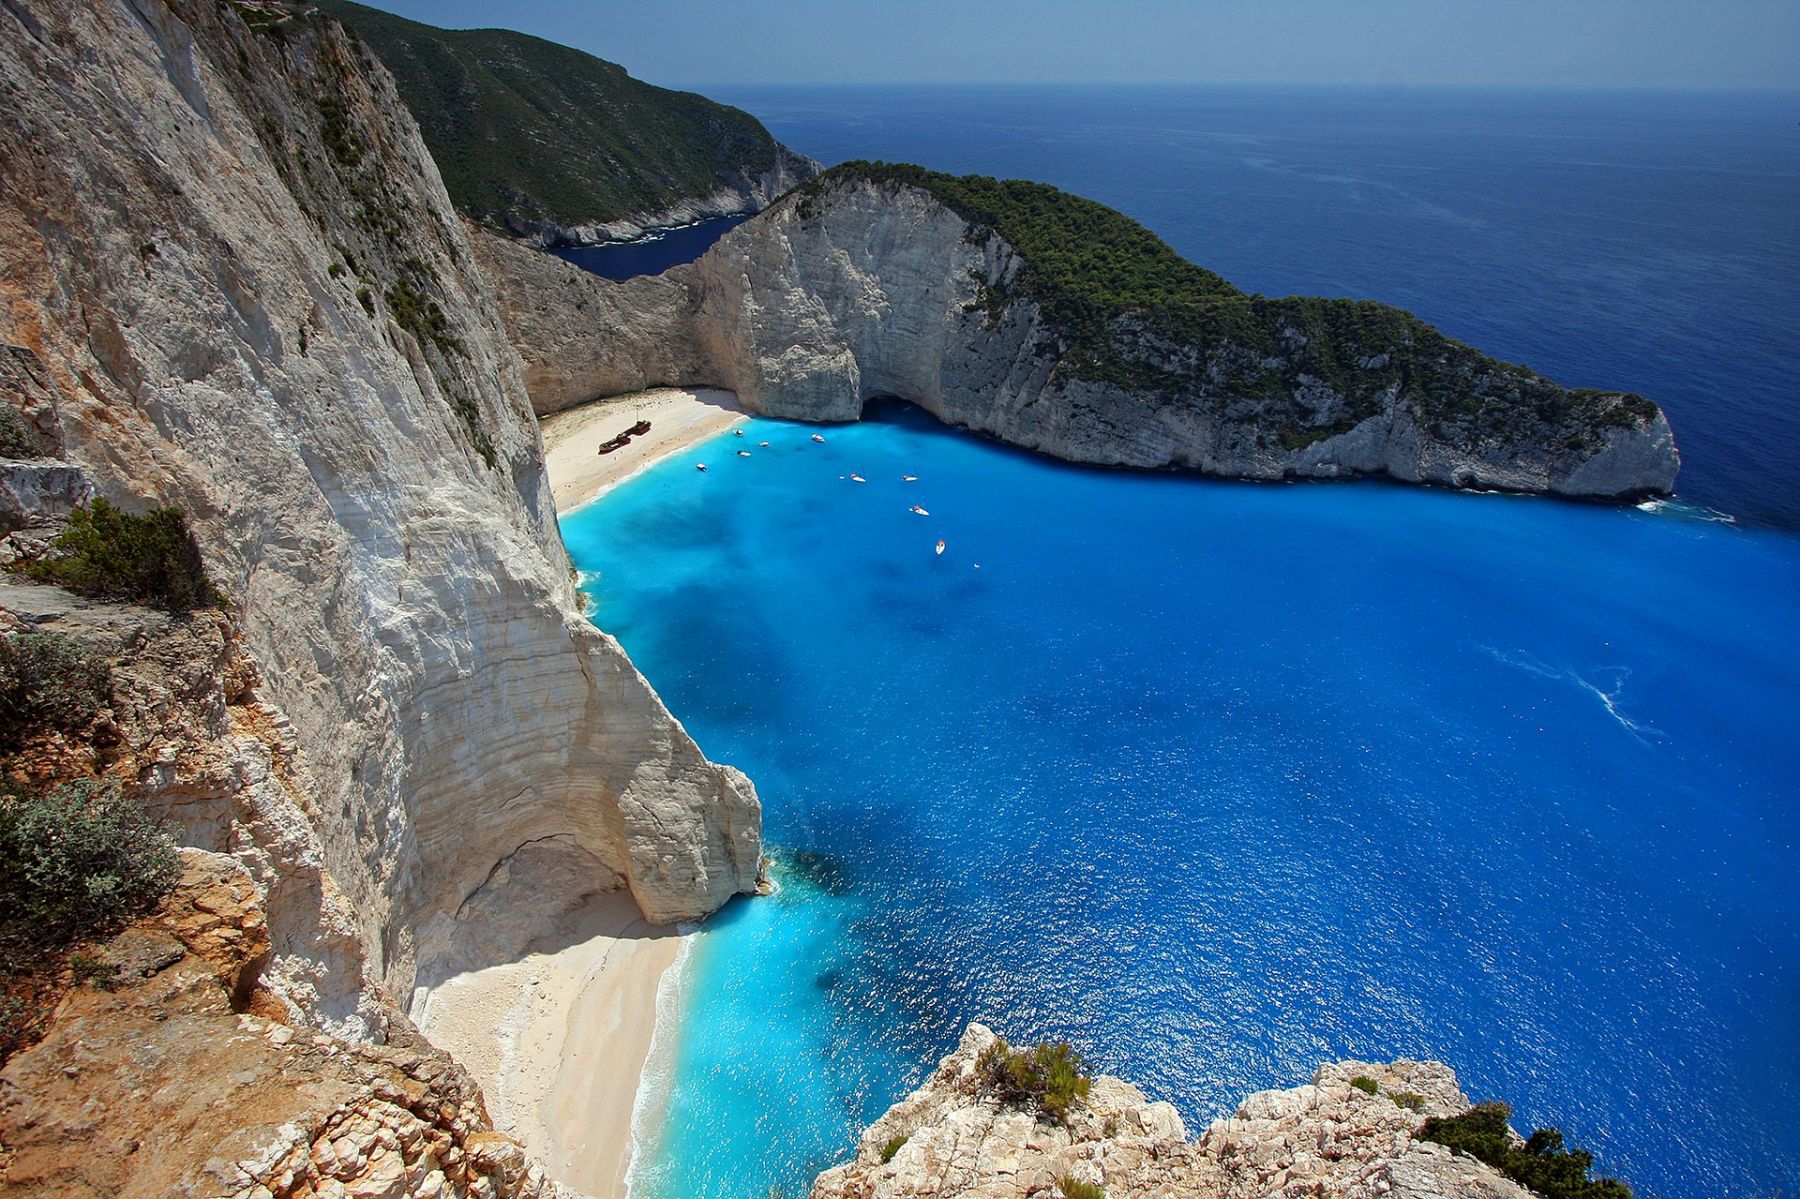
1330 1139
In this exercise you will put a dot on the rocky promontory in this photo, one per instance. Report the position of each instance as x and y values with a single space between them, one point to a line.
1056 324
1349 1134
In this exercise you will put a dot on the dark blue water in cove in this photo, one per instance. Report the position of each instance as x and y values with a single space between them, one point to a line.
1219 780
1633 240
650 255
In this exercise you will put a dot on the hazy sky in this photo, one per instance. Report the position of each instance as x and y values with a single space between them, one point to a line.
1637 43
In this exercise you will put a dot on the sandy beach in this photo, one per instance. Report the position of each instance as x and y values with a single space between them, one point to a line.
678 419
558 1039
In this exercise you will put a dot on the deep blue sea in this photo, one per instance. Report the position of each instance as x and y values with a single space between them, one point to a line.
650 255
1218 780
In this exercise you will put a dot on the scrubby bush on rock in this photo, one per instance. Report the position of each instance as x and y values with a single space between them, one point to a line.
1073 1188
77 862
1047 1077
1542 1164
48 682
112 554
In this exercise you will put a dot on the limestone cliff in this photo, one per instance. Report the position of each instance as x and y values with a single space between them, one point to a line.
875 282
1329 1138
178 1076
234 283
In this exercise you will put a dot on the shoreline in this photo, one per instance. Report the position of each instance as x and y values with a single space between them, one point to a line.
680 418
559 1038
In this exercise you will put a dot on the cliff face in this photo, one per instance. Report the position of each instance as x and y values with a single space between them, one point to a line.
208 1092
559 147
241 289
1325 1139
857 288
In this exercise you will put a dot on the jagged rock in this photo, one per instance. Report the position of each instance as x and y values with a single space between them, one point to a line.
1327 1140
856 289
242 291
169 1084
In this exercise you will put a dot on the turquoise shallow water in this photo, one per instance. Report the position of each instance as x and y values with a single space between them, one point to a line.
1219 781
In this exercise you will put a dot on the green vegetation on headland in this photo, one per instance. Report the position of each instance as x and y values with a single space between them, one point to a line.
1123 308
1047 1078
526 129
1541 1163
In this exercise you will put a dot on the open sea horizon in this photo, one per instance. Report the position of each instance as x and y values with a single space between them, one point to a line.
1220 781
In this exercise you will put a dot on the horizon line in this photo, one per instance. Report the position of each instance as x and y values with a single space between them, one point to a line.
1792 89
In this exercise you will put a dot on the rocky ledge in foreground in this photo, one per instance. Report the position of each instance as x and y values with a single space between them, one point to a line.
1056 324
1334 1138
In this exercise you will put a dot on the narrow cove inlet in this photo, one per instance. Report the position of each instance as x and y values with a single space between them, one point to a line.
1216 781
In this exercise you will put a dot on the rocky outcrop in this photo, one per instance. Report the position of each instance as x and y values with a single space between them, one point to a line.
1327 1140
234 284
857 288
175 1073
741 192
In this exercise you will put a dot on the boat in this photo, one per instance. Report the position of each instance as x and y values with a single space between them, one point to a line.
940 546
858 479
699 466
763 444
919 510
737 432
909 478
818 438
743 453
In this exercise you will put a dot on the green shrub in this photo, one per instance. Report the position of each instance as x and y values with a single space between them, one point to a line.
421 316
17 1019
892 1147
366 298
77 862
335 128
17 438
1365 1084
48 682
1408 1100
1542 1164
1048 1076
1073 1188
84 969
337 270
109 553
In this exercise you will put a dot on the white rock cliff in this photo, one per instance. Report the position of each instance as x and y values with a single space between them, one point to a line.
854 289
232 265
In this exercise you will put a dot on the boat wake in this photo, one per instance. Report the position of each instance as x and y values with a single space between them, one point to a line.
1609 697
1681 510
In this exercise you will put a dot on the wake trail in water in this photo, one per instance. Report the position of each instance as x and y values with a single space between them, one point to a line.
1609 697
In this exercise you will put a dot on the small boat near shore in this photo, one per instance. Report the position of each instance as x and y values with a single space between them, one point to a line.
909 478
819 439
700 466
858 479
940 546
918 511
743 453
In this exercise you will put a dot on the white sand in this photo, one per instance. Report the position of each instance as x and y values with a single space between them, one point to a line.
678 419
558 1039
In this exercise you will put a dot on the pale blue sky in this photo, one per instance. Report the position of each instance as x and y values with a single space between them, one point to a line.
1611 43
